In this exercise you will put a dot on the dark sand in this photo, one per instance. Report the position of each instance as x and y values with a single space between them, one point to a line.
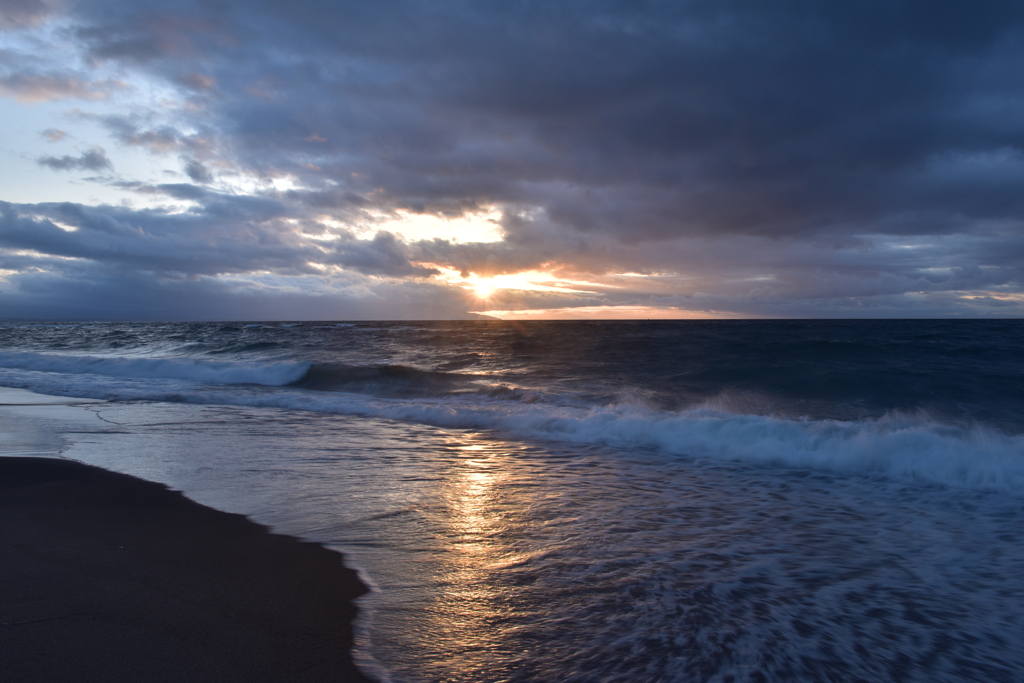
105 577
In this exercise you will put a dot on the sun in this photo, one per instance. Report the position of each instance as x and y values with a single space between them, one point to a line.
483 290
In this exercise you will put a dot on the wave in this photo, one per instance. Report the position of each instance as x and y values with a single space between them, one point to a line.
377 380
213 372
897 446
901 446
397 380
245 348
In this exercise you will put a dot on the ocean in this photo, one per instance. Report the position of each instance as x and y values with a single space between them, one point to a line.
594 501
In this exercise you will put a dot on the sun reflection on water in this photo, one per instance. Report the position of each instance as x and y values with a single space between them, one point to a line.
480 504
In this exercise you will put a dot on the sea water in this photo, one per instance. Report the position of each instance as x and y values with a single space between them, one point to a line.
599 501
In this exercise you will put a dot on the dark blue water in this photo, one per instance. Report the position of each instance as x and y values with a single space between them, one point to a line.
959 370
601 501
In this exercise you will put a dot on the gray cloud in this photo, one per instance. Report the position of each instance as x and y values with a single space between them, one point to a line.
93 159
88 291
196 81
383 255
130 130
23 12
224 235
198 172
35 87
30 77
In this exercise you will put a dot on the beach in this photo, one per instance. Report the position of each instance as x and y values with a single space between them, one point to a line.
112 578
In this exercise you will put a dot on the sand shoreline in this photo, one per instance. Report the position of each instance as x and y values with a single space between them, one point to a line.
107 577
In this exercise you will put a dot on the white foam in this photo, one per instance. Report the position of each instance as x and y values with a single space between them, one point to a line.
896 446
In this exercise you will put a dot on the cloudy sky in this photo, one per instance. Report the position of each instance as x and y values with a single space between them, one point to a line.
332 159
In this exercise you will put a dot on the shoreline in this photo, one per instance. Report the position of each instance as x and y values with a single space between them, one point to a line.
109 577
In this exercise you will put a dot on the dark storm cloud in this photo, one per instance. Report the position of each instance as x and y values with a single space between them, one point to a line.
772 152
644 121
23 12
93 159
196 81
383 255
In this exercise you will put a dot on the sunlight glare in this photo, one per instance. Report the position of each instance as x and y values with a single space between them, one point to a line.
526 281
481 226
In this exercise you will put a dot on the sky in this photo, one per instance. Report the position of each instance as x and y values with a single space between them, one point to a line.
566 159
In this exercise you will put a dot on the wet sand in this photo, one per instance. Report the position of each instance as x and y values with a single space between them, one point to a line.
105 577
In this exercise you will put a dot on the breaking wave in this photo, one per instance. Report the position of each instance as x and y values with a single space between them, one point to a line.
898 445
